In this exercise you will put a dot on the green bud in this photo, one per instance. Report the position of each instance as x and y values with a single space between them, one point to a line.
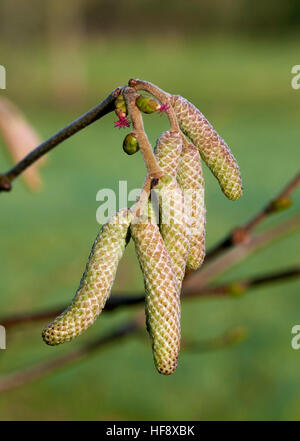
236 289
120 105
130 144
147 104
238 334
280 204
164 180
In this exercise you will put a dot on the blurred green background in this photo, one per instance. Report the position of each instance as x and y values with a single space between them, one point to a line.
233 60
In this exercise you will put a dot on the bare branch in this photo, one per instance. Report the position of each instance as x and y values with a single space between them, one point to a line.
21 377
202 278
239 287
112 304
17 379
231 289
241 234
279 203
80 123
229 338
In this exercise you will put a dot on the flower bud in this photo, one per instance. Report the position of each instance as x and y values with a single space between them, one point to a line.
280 204
130 144
236 289
147 104
120 106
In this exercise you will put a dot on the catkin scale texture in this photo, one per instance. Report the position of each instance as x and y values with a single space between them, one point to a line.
96 282
162 303
213 149
174 225
190 179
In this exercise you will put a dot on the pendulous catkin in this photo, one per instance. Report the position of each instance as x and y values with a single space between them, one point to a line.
96 282
213 149
162 303
190 179
173 220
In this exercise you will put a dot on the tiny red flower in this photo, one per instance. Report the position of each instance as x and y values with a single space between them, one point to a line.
163 108
122 122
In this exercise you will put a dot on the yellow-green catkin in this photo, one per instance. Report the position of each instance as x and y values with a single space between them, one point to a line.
162 302
213 149
174 225
96 282
190 179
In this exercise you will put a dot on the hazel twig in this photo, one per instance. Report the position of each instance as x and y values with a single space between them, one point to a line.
239 287
231 337
17 379
239 252
80 123
230 289
242 233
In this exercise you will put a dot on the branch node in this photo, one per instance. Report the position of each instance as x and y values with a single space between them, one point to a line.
5 184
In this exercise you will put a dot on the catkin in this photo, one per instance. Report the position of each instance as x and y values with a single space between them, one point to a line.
173 220
96 282
162 303
190 179
213 149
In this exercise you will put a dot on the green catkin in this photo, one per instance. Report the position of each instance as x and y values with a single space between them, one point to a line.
173 220
96 282
213 149
162 302
191 181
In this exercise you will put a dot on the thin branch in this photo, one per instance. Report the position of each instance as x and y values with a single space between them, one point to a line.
234 288
239 287
241 234
232 336
112 304
279 203
80 123
19 378
201 279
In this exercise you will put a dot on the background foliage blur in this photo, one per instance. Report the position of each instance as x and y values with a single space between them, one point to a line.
233 60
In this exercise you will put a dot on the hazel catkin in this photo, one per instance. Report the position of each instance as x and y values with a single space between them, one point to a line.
173 220
162 302
96 282
191 181
213 149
